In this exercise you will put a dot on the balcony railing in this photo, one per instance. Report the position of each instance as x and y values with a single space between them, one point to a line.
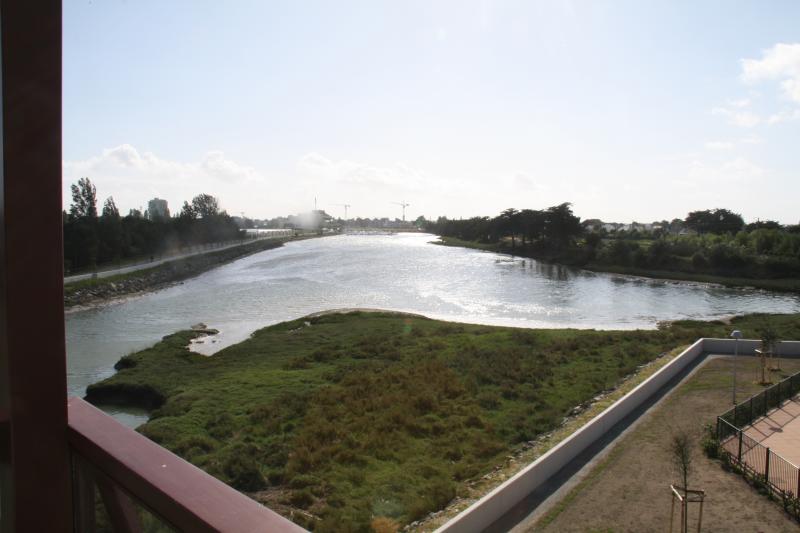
133 474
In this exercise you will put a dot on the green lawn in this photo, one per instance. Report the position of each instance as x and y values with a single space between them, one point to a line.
339 420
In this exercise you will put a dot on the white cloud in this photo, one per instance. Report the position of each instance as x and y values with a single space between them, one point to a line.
751 140
525 182
738 170
133 177
739 104
784 116
216 165
719 145
738 117
346 172
781 62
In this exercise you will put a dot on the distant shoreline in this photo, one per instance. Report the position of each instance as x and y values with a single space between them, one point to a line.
786 285
90 294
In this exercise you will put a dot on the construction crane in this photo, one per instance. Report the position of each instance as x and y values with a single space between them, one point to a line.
346 207
402 204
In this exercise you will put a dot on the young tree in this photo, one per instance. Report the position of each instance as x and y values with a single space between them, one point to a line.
205 206
681 449
532 223
84 199
80 232
110 234
110 208
509 222
561 226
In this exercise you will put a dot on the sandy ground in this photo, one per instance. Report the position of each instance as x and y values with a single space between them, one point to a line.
630 489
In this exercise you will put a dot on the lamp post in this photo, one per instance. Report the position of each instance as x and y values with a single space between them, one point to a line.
736 334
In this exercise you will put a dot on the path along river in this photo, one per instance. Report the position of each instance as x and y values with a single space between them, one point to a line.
403 272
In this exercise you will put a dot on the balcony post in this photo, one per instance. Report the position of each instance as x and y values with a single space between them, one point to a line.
33 388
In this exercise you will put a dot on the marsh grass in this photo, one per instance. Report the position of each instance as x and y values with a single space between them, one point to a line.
363 416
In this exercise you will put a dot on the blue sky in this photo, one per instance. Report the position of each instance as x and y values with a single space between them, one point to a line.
630 110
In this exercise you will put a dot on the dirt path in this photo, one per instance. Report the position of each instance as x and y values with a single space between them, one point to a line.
629 489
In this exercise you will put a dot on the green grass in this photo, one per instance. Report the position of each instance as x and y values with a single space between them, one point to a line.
770 284
452 241
365 415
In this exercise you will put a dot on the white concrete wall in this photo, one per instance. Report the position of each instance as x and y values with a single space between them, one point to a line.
494 505
748 347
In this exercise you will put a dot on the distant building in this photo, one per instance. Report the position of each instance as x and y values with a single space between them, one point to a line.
157 209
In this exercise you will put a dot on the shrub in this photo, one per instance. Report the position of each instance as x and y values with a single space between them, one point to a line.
727 463
710 444
619 252
725 257
126 361
658 253
699 260
242 471
383 524
301 498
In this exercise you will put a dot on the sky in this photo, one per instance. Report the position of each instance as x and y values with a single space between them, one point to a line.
629 110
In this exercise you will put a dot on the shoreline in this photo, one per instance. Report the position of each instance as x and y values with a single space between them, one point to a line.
94 294
779 285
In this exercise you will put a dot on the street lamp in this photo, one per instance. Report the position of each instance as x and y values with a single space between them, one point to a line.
736 334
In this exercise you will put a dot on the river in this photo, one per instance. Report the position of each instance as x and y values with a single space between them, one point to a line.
403 272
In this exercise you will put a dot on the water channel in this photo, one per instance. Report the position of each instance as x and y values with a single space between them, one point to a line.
403 272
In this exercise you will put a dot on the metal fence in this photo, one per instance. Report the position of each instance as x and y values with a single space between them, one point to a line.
776 473
757 405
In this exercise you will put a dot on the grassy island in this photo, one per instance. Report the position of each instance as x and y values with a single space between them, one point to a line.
347 422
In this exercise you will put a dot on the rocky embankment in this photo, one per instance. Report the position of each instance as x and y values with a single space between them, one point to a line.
92 292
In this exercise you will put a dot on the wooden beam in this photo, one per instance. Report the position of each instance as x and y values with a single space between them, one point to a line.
175 490
32 354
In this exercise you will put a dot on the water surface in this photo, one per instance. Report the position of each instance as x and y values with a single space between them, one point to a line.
402 272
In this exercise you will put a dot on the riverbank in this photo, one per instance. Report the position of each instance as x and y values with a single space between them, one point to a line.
791 285
92 292
339 420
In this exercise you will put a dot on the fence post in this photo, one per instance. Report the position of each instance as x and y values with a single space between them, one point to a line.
719 435
751 408
740 447
766 470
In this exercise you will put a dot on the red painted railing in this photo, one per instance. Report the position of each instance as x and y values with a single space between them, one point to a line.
126 467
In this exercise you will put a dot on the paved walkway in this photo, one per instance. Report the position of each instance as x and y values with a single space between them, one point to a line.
780 430
197 250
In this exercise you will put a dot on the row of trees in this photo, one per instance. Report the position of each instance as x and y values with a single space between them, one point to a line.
715 241
552 228
756 253
91 239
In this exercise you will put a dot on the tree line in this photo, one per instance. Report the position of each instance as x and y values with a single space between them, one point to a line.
552 228
713 241
92 239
